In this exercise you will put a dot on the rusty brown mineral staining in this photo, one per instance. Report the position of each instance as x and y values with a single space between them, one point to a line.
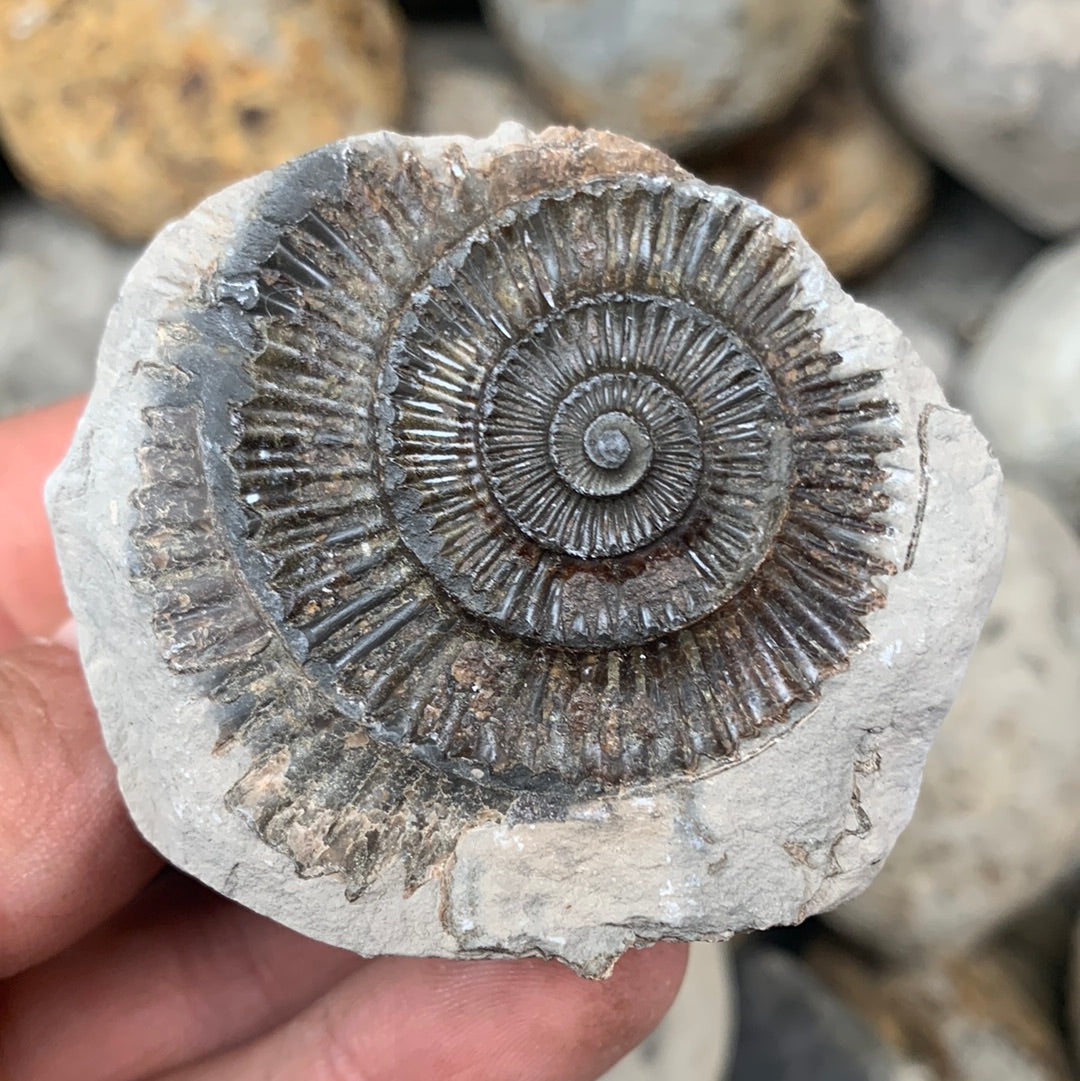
541 471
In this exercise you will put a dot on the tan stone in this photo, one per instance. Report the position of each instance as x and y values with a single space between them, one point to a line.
837 168
131 111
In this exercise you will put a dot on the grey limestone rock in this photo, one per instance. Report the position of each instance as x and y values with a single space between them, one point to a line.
998 818
58 279
1022 380
937 349
462 82
516 547
992 89
694 1041
677 75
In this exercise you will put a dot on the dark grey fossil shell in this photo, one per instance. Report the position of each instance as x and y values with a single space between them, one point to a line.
481 487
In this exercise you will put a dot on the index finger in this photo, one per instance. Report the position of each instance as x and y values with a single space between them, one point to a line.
31 445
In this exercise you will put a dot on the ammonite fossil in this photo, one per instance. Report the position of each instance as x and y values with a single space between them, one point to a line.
444 494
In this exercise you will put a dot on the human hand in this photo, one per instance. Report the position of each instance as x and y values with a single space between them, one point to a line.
115 969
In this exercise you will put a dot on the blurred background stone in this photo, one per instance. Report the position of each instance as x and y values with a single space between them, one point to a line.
998 816
7 177
993 92
1023 381
963 1019
694 1041
462 82
442 11
792 1028
837 168
58 280
132 110
943 285
1074 993
678 75
1038 939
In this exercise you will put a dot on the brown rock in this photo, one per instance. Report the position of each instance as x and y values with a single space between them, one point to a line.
157 103
837 168
964 1019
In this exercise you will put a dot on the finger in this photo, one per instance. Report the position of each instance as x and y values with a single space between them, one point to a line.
69 855
407 1019
180 973
9 631
31 446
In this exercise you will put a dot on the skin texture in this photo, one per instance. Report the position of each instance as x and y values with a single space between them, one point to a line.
114 969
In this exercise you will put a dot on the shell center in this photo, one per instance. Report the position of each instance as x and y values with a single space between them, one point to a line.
606 441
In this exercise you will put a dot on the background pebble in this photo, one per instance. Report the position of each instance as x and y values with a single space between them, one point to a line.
943 285
992 89
838 168
792 1028
675 74
958 1020
462 82
158 103
1023 380
58 280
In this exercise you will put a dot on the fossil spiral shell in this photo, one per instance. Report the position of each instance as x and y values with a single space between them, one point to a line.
493 473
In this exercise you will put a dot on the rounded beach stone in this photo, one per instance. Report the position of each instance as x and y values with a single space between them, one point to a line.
694 1041
1022 379
837 168
992 90
462 82
157 103
674 75
998 818
527 549
58 279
